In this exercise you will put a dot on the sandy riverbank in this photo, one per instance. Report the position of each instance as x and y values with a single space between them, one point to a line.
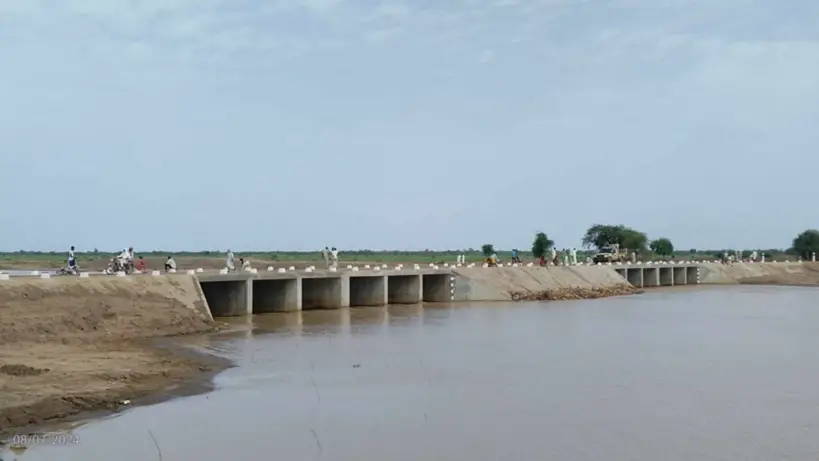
71 346
780 273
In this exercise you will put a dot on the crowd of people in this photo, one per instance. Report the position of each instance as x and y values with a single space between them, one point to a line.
565 257
127 262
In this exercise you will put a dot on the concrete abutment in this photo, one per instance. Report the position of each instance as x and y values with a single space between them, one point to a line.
692 274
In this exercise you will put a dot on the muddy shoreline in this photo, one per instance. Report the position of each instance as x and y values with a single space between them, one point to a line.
574 293
178 371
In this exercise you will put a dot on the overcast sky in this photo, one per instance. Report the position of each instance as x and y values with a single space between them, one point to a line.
295 124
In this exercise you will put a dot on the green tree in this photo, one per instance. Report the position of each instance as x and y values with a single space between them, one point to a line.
488 249
662 246
806 243
600 235
541 245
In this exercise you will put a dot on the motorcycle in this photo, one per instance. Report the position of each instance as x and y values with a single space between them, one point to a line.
119 265
69 270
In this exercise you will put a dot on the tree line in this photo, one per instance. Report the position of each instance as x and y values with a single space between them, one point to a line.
804 245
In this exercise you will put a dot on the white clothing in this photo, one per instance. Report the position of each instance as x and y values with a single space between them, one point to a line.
230 260
334 255
171 263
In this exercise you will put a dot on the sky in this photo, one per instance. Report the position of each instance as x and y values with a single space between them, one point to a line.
397 124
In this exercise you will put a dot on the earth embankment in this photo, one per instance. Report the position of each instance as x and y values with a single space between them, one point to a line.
546 283
71 345
785 273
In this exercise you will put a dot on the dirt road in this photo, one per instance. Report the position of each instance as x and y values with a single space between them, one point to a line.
69 346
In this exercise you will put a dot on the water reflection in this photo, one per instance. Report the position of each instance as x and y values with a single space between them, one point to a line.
707 375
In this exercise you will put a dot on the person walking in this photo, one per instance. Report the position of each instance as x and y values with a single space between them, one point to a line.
229 263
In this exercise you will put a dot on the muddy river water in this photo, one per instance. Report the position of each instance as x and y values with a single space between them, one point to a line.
705 374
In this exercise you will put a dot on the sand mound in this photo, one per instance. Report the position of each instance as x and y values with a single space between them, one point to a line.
500 283
71 345
805 274
77 311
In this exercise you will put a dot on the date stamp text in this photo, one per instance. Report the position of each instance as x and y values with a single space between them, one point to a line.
38 440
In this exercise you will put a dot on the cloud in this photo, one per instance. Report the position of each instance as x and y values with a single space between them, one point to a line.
275 87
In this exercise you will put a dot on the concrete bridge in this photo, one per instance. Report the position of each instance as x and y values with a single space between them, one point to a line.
246 293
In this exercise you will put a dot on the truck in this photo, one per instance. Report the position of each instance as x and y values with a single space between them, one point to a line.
610 254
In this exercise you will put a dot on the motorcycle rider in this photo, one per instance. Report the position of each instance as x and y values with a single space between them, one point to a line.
125 259
515 258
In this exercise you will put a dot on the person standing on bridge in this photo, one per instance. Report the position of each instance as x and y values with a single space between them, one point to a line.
334 258
325 254
229 263
72 260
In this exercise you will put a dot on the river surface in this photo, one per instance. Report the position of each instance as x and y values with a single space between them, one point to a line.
708 374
